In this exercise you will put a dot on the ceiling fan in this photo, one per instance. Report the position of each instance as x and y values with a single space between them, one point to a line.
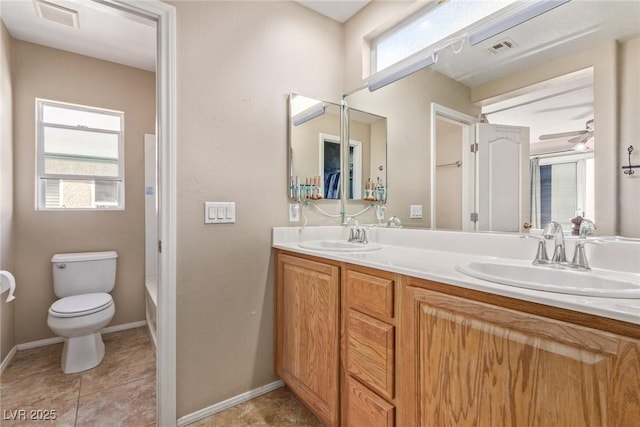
579 136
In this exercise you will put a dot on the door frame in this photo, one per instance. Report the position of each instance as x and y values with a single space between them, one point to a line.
164 15
467 122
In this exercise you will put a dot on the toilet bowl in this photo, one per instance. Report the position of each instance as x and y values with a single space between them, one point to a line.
80 326
83 281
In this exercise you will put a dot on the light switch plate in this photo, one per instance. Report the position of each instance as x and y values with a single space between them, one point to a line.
219 212
416 211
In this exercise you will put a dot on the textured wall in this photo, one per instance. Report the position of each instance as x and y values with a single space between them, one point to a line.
237 63
7 336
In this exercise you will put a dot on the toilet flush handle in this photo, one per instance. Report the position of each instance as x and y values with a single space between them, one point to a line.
61 266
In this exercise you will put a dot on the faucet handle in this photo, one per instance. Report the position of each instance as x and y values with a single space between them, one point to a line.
541 254
586 228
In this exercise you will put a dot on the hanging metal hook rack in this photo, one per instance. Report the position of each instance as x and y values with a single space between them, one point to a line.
630 168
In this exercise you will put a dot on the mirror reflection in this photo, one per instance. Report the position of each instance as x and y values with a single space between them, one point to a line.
314 149
367 156
529 97
315 152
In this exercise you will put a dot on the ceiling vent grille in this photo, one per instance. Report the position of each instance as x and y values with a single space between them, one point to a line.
502 46
55 13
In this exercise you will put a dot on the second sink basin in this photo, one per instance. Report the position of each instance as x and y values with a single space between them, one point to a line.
609 284
339 246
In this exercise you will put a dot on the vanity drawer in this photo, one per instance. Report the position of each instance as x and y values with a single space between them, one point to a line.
370 294
365 408
370 352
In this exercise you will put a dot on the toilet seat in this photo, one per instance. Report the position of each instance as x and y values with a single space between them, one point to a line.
80 305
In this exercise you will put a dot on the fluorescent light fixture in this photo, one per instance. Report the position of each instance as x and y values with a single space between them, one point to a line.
402 70
308 114
517 16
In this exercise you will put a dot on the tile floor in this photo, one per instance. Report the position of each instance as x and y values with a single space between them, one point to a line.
121 391
278 408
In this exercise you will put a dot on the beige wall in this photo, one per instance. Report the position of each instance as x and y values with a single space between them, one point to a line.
7 336
237 63
448 178
52 74
630 135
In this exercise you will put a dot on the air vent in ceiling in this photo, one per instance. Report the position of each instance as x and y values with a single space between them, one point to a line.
55 13
502 46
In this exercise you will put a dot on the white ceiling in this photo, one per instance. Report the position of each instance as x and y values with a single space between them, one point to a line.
339 11
103 33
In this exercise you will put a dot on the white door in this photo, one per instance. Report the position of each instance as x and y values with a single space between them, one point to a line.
502 177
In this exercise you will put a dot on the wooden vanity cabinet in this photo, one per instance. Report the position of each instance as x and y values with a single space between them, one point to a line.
308 332
368 348
470 363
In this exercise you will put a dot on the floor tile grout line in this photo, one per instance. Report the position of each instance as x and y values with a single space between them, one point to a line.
117 385
75 419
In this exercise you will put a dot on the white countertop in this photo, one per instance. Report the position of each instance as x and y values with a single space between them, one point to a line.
419 258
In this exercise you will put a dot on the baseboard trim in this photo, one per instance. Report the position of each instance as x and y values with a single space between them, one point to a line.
124 327
7 360
56 340
226 404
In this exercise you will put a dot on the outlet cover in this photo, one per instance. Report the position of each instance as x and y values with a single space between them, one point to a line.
294 212
416 211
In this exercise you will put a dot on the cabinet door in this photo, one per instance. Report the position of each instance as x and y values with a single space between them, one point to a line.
468 363
307 333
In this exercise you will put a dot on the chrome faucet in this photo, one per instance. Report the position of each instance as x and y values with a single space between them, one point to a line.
356 234
553 230
394 221
580 255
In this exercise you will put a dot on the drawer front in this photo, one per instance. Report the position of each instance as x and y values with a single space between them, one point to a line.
366 408
370 294
370 352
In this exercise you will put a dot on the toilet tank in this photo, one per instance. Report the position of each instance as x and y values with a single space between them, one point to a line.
83 273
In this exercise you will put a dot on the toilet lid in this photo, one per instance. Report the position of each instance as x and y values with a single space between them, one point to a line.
80 305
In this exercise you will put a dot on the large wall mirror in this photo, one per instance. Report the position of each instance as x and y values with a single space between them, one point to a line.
317 158
539 90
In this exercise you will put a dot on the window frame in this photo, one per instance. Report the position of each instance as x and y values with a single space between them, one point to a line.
582 179
381 35
41 176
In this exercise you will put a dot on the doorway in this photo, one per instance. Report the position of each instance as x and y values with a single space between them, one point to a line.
452 168
164 15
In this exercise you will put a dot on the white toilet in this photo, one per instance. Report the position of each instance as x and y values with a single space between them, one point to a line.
82 282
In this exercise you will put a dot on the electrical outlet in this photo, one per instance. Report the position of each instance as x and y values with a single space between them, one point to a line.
294 212
416 211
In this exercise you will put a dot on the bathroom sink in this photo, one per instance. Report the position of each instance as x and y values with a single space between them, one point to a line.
609 284
339 246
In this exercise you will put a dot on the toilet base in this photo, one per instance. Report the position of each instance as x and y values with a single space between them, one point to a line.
82 353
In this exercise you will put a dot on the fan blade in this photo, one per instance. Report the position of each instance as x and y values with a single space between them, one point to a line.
581 139
562 135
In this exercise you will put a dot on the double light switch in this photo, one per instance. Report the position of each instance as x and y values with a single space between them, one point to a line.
219 212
